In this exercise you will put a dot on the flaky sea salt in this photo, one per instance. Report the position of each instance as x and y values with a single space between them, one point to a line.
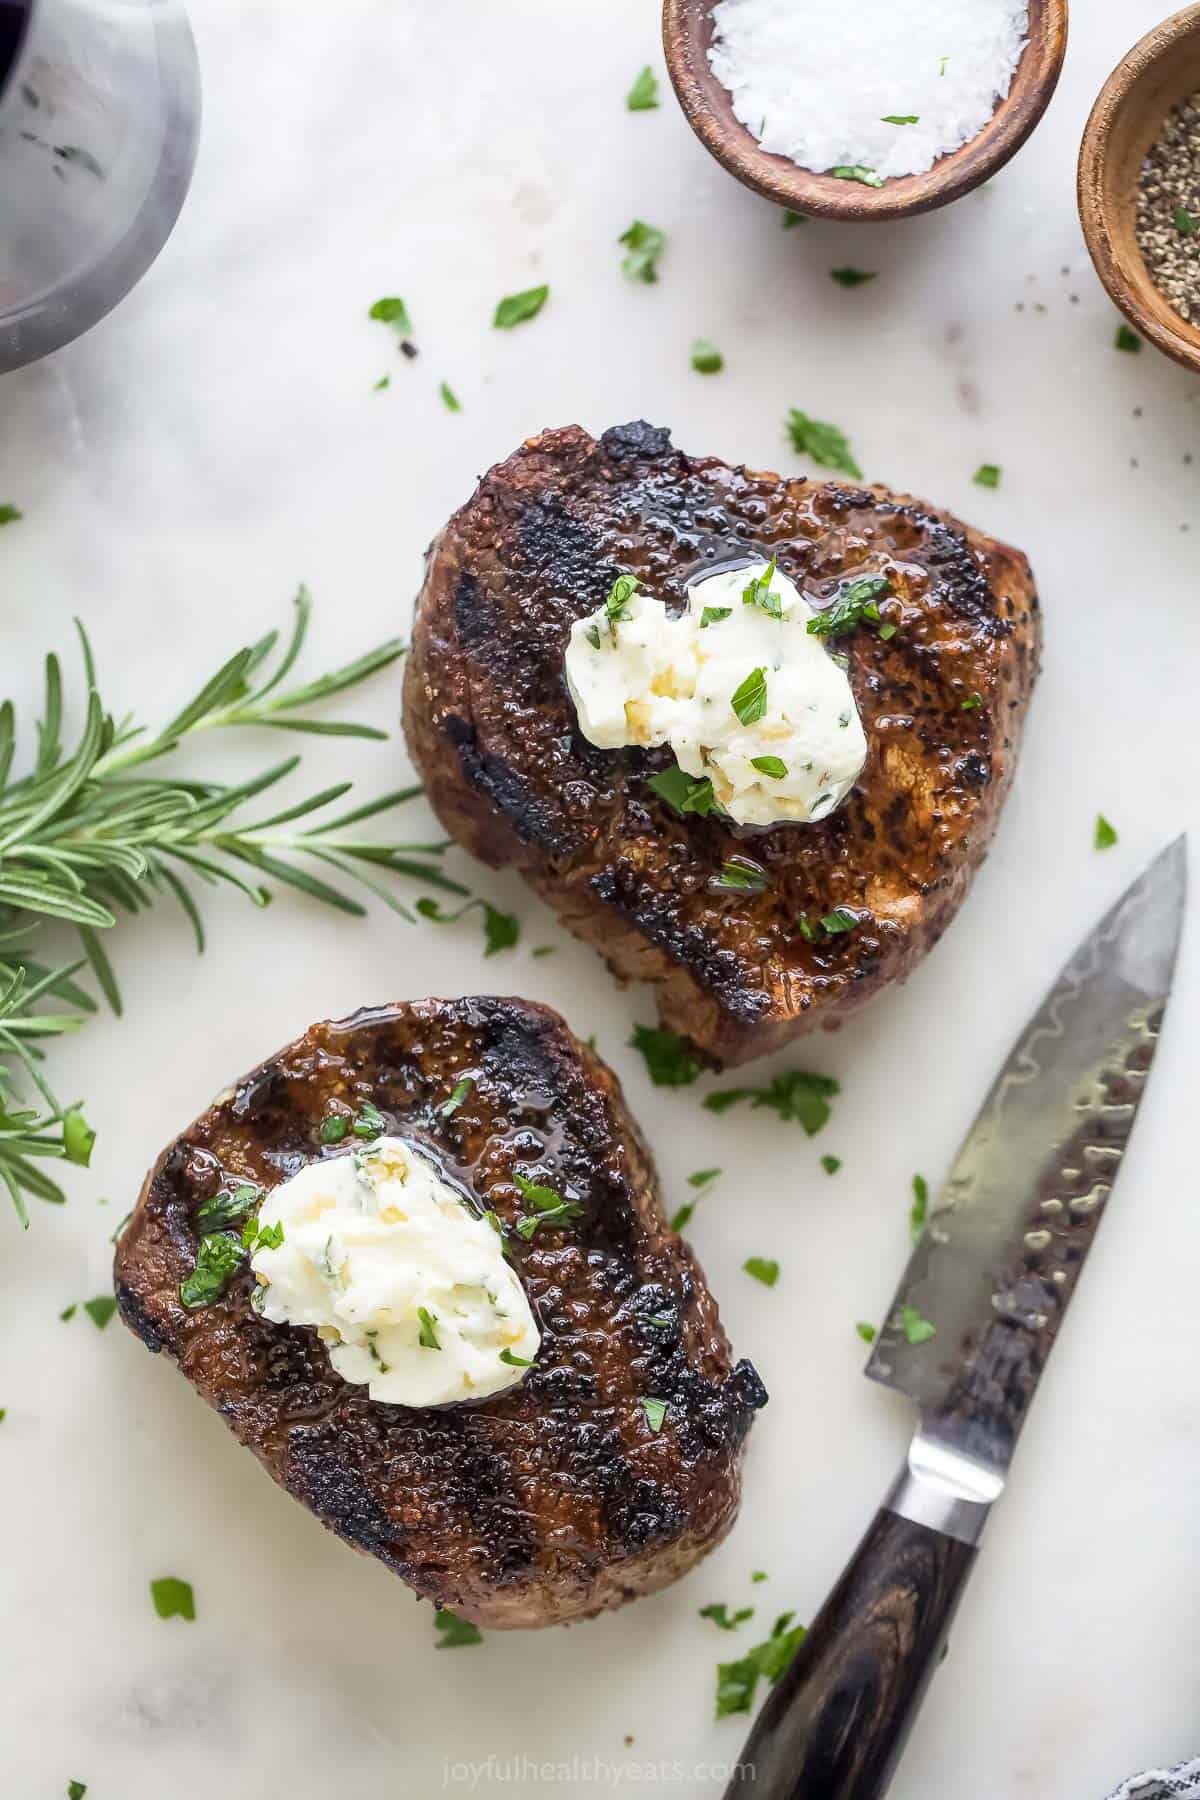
815 80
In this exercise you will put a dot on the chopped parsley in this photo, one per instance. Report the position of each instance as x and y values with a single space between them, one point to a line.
100 1310
656 1412
643 95
857 604
540 950
616 605
500 930
987 475
900 119
852 278
552 1209
763 1268
385 381
76 1790
173 1599
218 1258
1106 835
706 358
866 1332
1127 339
456 1633
3 1414
370 1122
791 219
78 1138
461 1090
759 1575
831 1164
703 1178
516 1362
737 1681
758 592
721 1616
1185 222
972 703
450 399
797 1096
334 1128
749 700
774 766
822 441
915 1328
225 1209
427 1336
514 309
857 172
741 874
918 1212
10 514
266 1237
682 1215
839 921
68 1312
712 615
645 244
669 1058
685 793
391 310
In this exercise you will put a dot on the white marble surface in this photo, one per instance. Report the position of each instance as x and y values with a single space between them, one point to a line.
217 440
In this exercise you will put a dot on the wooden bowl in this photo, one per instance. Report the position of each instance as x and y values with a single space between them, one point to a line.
687 34
1135 100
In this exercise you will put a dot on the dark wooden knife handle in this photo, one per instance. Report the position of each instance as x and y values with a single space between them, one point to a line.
834 1726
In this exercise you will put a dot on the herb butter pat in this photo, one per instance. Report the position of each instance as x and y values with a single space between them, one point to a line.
407 1287
738 686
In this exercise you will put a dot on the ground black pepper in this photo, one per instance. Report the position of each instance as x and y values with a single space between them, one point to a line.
1168 209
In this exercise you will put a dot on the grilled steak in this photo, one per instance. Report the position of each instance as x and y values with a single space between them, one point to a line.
557 1498
492 728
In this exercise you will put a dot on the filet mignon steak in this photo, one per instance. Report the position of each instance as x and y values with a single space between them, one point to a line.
492 728
557 1498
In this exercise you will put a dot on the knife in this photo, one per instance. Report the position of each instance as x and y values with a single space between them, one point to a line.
967 1337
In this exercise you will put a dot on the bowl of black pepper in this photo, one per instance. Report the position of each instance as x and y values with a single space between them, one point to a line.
1139 186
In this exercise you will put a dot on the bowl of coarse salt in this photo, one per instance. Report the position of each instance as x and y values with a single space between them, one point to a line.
864 109
1139 186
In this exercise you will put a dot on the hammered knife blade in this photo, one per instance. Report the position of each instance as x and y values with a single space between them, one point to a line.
967 1337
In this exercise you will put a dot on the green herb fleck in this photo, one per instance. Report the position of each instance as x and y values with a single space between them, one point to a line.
822 441
643 95
857 172
427 1336
857 604
218 1258
385 381
392 311
742 875
173 1599
516 1362
987 475
703 1178
919 1210
866 1332
100 1310
78 1138
759 1575
540 950
798 1096
685 793
622 591
514 309
763 1268
265 1237
76 1790
831 1164
839 921
749 700
1106 835
774 766
370 1122
737 1681
456 1633
942 65
10 514
1185 222
972 703
227 1209
500 930
68 1312
552 1209
450 399
712 615
852 278
682 1216
900 119
721 1616
645 244
656 1412
757 592
1127 339
669 1058
461 1090
792 219
706 358
916 1329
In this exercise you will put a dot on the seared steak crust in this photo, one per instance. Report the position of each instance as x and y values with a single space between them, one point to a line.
555 1499
492 729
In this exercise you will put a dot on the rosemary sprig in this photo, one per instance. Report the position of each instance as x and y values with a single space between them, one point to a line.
87 835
